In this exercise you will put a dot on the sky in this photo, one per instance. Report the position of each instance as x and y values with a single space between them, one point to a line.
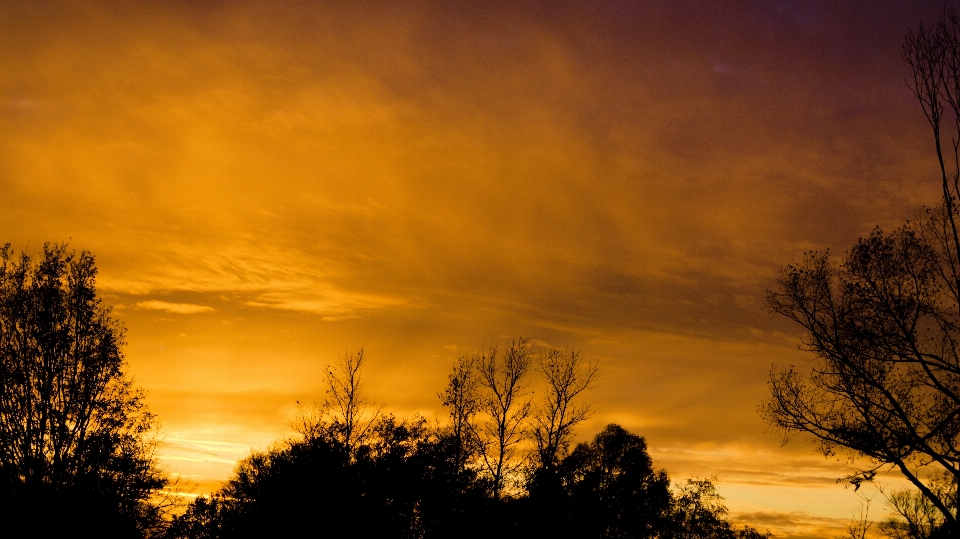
268 186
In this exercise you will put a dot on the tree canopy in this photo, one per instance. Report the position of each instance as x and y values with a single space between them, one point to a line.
404 482
74 431
884 326
413 479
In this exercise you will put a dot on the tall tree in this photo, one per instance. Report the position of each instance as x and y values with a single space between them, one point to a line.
74 431
613 490
884 325
462 399
886 384
567 376
502 398
346 410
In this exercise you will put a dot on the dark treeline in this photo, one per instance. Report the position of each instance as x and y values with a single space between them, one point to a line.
501 467
77 444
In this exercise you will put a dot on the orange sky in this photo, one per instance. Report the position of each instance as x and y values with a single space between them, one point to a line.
268 185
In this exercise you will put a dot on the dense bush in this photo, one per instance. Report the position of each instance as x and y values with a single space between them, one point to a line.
403 481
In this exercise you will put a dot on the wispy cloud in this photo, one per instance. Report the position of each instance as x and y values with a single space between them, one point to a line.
255 277
179 308
792 524
332 305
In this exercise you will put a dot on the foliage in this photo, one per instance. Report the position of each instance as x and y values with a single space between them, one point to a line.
402 480
405 482
74 431
612 490
410 479
699 511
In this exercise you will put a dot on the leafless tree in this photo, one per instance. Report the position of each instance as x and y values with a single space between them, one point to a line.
919 518
502 399
887 378
567 376
860 522
933 53
346 412
462 398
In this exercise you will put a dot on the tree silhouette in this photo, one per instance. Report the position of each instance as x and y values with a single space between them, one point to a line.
402 481
411 479
613 490
351 412
501 398
699 511
74 431
567 377
461 397
884 325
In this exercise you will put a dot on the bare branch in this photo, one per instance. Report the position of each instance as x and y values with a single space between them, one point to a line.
502 379
567 377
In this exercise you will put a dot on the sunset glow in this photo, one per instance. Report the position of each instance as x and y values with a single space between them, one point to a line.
268 186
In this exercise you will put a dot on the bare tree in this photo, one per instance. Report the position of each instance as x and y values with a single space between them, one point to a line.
502 379
462 398
887 378
860 522
567 376
919 519
933 53
346 413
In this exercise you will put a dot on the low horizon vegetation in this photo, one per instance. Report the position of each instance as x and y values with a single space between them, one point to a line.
501 465
77 439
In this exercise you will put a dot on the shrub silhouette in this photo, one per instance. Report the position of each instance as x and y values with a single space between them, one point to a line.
405 481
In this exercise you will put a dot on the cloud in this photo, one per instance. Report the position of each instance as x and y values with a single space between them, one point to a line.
179 308
627 183
333 305
792 524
